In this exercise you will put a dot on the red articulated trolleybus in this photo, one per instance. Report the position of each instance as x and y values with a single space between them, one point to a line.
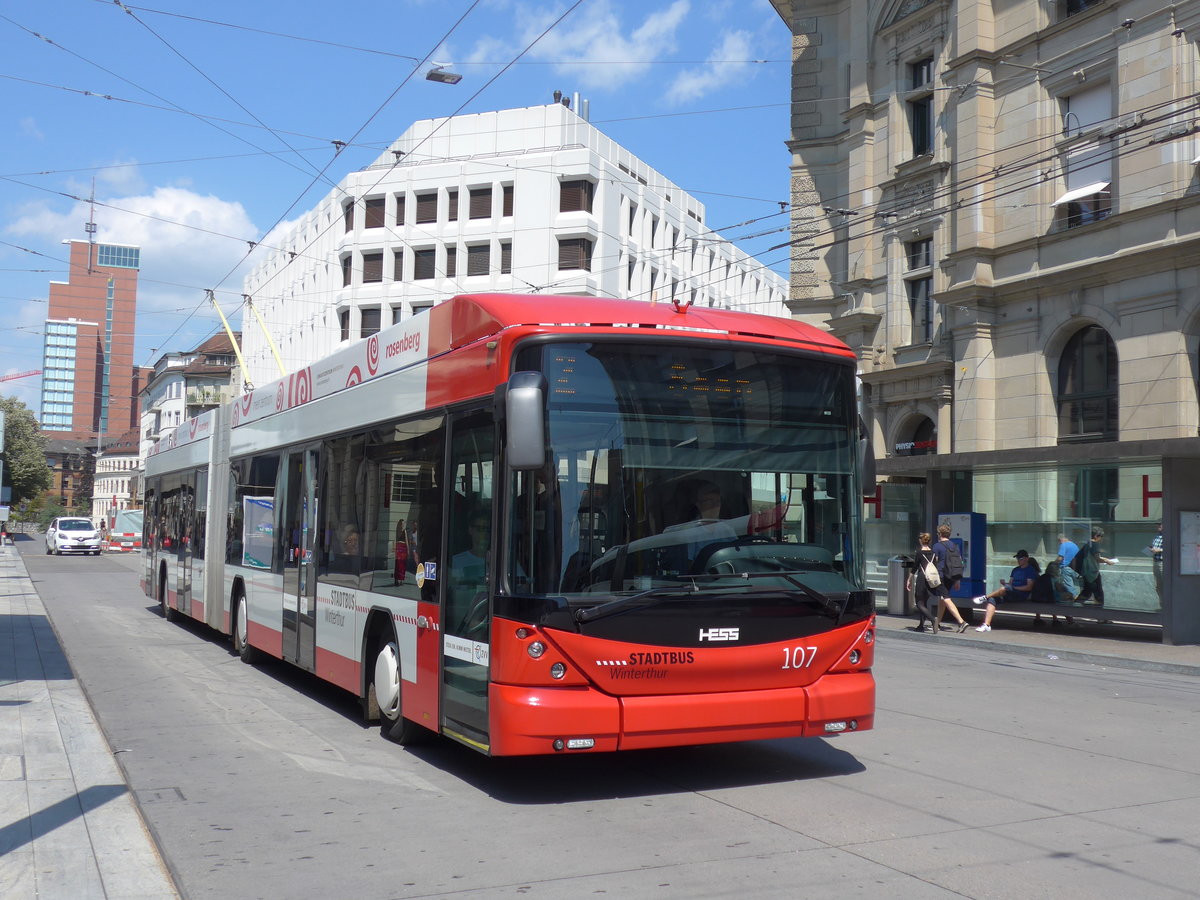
537 524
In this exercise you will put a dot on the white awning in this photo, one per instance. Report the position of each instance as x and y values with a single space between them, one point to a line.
1079 193
1196 160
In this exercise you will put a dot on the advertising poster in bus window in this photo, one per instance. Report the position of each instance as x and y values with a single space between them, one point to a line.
257 531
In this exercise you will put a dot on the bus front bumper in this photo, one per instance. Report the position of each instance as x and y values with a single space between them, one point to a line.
528 720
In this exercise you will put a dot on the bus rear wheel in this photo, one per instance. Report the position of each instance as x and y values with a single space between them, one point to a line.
169 614
241 629
384 695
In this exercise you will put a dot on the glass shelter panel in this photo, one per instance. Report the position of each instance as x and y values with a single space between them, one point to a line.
1032 509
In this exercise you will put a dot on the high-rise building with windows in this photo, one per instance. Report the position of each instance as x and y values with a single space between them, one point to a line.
532 200
89 382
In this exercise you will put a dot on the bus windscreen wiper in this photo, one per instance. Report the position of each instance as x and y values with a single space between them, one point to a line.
640 598
790 577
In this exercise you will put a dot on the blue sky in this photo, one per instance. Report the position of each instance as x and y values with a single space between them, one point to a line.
202 125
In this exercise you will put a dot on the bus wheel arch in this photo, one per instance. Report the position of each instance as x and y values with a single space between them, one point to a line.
384 695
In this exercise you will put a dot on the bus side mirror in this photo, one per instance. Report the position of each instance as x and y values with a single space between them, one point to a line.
525 419
866 459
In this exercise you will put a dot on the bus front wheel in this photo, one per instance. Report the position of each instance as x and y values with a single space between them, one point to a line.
385 696
241 629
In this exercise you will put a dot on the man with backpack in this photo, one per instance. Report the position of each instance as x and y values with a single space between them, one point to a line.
1087 563
949 564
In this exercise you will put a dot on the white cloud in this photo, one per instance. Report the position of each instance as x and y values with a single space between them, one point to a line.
189 242
593 47
29 128
727 65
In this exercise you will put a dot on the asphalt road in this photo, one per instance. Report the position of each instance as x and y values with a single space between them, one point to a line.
987 777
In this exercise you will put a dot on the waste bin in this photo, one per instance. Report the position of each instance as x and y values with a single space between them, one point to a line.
900 601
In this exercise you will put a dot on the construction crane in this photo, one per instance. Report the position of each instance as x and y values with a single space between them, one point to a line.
17 375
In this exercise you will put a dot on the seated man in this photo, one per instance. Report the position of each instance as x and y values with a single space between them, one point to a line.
706 526
1019 586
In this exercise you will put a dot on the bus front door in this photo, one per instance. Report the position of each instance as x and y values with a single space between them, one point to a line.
299 519
466 617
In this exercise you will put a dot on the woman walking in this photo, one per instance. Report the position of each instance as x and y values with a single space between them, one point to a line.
924 590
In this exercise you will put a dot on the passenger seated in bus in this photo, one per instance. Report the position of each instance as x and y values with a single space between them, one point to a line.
707 526
347 556
468 576
703 526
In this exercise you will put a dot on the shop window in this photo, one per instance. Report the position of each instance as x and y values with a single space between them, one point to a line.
1087 388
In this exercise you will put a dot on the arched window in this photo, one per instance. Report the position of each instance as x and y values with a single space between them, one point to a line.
1087 388
923 439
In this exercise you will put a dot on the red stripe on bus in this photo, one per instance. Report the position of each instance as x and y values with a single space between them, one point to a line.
345 673
266 639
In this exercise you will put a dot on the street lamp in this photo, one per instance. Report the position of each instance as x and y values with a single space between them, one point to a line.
439 73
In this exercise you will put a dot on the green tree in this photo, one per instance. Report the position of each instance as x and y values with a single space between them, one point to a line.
24 451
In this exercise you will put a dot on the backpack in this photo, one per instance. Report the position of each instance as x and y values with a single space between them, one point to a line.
1043 589
1077 559
954 563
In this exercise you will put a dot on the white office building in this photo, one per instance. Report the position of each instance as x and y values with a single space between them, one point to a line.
530 200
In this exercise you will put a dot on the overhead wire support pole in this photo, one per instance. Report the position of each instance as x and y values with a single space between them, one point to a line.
212 297
249 301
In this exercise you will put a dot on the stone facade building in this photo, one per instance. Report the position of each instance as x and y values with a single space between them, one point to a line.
998 207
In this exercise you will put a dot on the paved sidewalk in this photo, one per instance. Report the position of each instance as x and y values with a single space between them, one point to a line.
1118 646
69 827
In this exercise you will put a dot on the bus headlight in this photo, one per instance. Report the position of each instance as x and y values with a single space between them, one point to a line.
855 656
558 670
536 649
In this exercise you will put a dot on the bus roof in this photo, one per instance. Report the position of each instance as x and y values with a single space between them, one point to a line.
475 316
468 318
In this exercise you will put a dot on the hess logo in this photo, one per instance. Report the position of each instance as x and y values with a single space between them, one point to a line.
719 634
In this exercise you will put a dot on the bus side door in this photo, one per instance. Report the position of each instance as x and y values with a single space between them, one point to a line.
466 610
298 518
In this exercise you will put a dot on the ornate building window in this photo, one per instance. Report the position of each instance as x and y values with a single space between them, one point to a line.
918 284
1087 388
920 106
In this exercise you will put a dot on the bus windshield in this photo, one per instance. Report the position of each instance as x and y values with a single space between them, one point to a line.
682 466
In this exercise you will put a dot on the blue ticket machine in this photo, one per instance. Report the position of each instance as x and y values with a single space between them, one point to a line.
969 532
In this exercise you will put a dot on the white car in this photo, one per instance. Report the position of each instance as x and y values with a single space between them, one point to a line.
69 534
